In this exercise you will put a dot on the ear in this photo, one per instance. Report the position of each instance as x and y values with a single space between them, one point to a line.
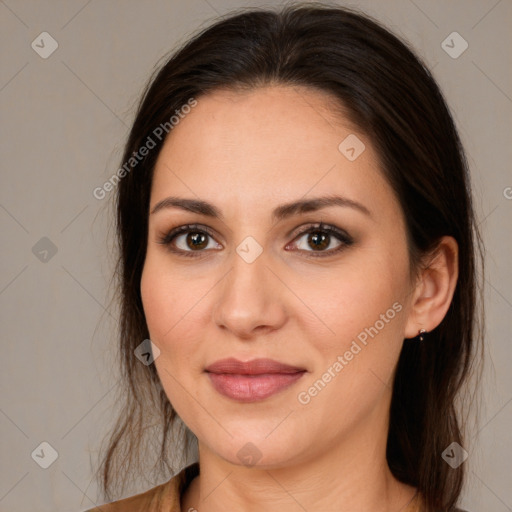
435 287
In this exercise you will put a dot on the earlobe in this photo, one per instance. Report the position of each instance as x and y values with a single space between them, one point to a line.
435 288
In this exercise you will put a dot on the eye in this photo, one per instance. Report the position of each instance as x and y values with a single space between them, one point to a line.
320 237
193 240
190 240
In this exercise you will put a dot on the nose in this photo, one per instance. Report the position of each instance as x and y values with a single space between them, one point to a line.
250 300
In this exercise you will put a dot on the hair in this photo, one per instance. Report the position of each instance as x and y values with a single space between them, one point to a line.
385 90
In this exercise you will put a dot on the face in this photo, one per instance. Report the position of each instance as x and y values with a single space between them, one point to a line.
258 281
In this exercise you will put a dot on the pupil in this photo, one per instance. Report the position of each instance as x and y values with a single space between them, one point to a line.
198 240
323 237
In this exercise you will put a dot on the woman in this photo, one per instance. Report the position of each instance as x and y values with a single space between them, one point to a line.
298 242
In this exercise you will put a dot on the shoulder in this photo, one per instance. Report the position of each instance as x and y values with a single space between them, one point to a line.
164 497
151 500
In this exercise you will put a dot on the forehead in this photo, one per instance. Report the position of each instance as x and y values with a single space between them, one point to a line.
284 120
267 144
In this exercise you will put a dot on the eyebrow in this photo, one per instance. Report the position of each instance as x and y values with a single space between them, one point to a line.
281 212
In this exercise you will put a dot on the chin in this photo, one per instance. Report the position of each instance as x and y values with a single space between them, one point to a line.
259 451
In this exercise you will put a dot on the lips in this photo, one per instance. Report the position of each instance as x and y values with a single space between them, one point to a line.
254 367
252 380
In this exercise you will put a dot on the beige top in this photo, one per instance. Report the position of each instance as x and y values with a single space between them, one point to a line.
162 498
166 497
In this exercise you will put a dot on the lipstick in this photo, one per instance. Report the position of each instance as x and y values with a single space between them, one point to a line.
252 381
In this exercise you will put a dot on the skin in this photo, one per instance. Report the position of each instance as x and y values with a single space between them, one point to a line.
248 153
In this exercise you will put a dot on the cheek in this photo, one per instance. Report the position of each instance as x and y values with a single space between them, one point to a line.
156 300
171 312
169 316
352 297
364 306
167 299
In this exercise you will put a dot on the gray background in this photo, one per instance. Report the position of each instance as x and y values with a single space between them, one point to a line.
64 120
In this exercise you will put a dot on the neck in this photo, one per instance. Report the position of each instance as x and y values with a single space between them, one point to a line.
352 476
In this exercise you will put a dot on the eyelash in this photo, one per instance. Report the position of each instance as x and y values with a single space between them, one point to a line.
345 239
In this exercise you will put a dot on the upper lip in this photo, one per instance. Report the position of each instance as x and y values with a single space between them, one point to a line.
253 367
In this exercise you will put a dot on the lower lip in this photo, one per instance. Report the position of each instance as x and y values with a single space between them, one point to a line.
251 388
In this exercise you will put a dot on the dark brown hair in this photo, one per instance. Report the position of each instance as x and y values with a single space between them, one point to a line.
389 94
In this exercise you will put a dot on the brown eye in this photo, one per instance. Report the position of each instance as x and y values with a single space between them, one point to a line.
196 240
319 240
190 240
322 239
187 240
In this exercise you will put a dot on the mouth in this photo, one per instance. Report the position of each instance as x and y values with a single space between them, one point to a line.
252 381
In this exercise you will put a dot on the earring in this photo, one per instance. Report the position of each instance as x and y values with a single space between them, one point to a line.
421 332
